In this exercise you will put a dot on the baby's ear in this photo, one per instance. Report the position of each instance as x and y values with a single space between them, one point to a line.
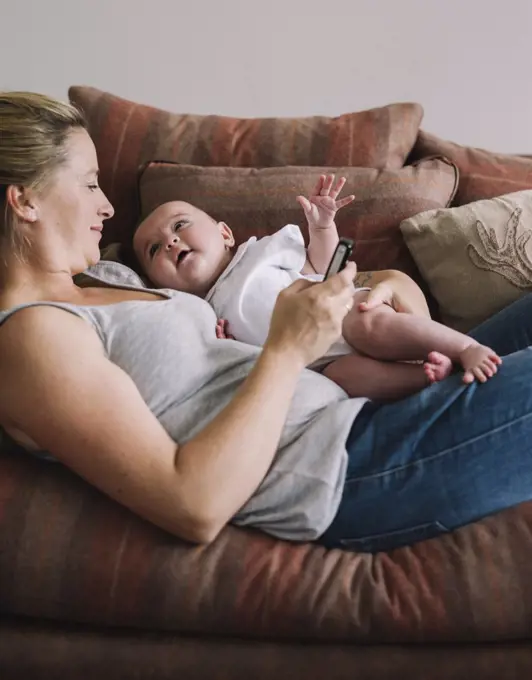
227 234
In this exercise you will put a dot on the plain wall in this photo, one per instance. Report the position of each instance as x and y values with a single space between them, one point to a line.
466 61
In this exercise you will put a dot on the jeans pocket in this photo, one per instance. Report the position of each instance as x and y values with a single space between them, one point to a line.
394 539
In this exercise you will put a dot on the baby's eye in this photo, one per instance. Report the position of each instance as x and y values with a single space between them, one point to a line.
153 249
179 224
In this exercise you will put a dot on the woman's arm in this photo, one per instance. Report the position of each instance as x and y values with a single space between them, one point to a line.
395 288
73 402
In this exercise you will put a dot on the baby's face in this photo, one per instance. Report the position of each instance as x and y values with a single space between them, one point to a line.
181 247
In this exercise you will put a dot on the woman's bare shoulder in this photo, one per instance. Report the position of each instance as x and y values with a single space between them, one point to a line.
32 337
27 325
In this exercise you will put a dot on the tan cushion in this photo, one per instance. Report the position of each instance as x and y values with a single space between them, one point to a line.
260 201
475 258
483 174
127 134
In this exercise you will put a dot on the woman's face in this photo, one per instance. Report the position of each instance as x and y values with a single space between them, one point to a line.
72 208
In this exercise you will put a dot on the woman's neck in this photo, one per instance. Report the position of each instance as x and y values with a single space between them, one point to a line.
22 282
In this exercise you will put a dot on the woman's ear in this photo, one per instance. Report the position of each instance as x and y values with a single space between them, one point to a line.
21 203
227 234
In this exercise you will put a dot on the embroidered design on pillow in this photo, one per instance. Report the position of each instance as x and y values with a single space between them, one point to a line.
510 259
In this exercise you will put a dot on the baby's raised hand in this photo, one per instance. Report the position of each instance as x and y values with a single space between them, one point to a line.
321 208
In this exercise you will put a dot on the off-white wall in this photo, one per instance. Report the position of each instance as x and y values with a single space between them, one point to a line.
468 64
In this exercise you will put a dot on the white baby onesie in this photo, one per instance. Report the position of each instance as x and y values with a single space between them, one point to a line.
246 292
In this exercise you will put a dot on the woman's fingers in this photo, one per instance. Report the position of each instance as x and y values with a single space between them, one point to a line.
339 288
343 279
308 316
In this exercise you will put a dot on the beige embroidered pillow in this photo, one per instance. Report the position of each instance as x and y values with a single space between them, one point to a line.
477 258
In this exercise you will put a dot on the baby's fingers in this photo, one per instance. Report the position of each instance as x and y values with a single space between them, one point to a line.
327 186
344 201
304 203
319 185
339 186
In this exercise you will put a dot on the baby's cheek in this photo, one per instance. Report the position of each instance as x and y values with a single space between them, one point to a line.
165 277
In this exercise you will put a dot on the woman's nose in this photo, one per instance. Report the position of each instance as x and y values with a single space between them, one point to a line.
106 209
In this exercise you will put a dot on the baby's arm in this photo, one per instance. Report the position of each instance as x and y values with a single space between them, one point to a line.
320 210
321 247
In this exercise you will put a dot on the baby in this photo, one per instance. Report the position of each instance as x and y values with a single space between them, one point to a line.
181 247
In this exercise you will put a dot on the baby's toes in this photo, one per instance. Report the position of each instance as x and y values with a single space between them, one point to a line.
468 377
429 372
479 374
492 367
495 365
486 368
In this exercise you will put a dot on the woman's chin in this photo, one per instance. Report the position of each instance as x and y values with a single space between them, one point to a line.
92 258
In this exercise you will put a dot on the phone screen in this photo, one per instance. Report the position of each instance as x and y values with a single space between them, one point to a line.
340 256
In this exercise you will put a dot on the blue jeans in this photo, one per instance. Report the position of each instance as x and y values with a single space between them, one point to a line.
446 456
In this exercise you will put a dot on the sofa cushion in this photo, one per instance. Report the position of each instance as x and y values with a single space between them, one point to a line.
483 174
476 258
71 554
127 134
260 201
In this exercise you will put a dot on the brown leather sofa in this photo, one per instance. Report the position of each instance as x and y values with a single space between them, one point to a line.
88 590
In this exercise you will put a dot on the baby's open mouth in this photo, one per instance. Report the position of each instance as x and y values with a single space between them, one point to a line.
182 256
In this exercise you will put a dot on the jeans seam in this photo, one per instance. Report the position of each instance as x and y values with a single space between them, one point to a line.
439 454
428 524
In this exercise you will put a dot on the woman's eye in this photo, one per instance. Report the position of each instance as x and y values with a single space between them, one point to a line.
153 249
93 187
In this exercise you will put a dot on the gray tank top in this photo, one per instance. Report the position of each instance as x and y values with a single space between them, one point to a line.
186 376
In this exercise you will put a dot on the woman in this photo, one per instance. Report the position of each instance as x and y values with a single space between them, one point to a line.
131 389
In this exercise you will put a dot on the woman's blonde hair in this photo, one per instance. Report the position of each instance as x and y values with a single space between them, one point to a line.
34 130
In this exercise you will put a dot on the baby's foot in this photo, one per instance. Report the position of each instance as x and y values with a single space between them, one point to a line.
438 367
479 363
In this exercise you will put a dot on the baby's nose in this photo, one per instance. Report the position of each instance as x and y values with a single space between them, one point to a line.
172 242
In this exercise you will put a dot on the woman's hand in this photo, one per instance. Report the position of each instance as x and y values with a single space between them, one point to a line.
308 317
394 288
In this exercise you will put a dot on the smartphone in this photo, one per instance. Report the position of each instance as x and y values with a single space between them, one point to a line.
341 255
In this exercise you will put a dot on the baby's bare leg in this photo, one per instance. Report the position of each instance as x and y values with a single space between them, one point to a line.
390 335
382 380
